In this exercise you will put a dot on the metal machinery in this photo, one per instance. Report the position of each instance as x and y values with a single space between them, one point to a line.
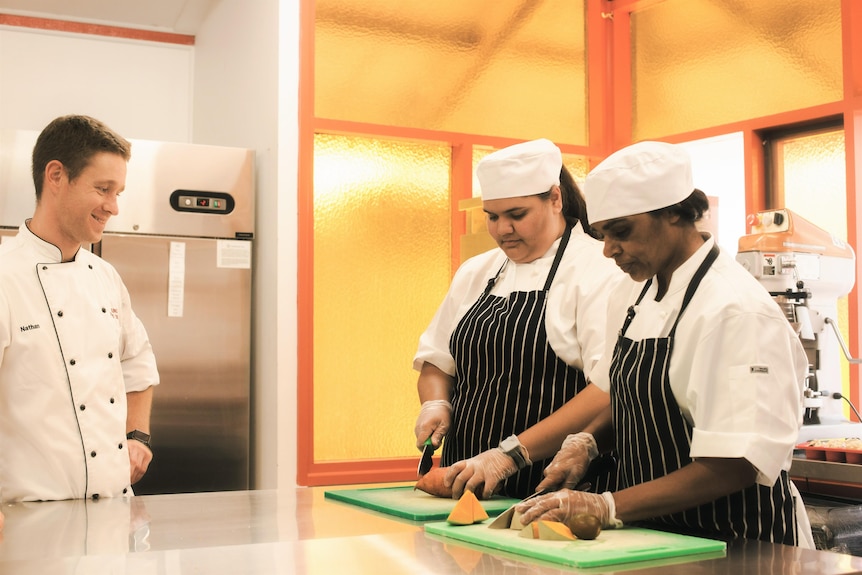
807 270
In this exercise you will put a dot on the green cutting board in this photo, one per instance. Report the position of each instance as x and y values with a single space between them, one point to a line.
612 546
412 504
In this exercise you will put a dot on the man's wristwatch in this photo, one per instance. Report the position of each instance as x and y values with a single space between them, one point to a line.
513 448
139 435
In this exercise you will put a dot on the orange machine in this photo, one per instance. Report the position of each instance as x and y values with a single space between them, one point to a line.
807 270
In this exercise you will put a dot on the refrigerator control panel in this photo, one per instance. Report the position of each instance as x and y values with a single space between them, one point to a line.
202 202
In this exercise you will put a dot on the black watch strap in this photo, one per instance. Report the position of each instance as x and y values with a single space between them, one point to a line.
139 435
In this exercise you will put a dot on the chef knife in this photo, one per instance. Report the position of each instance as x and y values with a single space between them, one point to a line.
426 461
504 519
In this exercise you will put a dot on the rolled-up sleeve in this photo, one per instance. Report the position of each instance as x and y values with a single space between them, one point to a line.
745 393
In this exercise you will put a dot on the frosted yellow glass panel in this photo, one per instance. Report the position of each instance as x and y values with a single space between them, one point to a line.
578 167
812 173
700 64
813 176
382 246
495 67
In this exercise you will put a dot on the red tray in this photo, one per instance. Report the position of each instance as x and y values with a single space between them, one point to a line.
833 454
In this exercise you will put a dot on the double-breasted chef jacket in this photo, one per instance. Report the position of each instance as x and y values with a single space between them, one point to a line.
71 348
737 368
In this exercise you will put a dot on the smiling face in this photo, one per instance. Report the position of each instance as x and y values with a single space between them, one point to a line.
84 205
525 227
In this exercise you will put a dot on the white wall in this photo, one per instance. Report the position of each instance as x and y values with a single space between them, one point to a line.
718 168
246 77
140 89
236 87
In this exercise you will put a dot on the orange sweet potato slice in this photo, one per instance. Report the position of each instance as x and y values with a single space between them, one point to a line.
432 483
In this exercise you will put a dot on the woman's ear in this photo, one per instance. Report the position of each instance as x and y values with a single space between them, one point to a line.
556 197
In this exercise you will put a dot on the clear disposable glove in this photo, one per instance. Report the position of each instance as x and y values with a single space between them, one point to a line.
481 474
571 462
564 504
434 420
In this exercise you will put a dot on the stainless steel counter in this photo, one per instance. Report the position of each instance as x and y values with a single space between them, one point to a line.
298 531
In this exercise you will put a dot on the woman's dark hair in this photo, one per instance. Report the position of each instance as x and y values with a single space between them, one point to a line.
689 210
574 205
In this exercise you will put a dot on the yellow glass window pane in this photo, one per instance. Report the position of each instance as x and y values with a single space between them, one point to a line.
494 67
382 246
811 171
813 177
701 64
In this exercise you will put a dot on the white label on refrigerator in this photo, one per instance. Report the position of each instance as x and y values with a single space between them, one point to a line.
233 254
177 279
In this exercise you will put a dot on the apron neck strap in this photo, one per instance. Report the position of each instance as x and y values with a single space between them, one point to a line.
695 281
689 292
564 241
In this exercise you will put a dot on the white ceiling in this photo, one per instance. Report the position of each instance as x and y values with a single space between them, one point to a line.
178 16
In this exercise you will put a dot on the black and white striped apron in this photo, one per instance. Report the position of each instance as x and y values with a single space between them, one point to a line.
653 439
507 376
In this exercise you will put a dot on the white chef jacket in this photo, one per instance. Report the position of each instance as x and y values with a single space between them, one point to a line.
737 369
575 316
70 349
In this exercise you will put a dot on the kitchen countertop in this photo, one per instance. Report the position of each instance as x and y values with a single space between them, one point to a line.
299 531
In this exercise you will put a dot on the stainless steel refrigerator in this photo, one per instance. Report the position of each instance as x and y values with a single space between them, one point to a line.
182 243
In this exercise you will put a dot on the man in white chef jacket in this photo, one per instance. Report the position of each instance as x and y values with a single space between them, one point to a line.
76 367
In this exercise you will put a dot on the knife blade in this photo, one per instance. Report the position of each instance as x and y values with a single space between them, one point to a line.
504 519
426 462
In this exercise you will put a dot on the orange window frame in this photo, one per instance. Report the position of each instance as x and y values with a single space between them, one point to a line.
610 117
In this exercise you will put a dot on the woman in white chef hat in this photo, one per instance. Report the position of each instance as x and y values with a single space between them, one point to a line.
521 326
705 374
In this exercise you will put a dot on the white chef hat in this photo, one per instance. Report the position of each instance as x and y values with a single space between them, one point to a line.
637 179
525 169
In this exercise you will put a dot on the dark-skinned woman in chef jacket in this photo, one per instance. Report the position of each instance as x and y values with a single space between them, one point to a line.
704 372
521 326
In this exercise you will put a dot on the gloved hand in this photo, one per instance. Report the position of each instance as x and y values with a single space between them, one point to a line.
564 504
483 472
571 462
434 420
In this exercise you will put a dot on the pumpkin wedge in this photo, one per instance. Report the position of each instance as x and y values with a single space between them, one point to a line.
554 531
467 511
548 531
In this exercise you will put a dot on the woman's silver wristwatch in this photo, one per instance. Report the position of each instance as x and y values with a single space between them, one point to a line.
513 448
